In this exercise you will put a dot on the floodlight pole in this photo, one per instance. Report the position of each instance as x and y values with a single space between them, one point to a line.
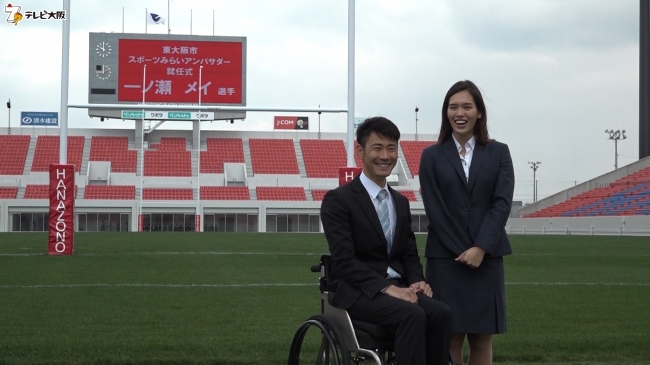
534 166
65 76
416 122
319 113
9 117
616 135
350 134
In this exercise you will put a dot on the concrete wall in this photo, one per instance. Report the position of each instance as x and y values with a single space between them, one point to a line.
613 226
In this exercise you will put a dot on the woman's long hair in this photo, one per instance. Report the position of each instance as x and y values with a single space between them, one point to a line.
480 128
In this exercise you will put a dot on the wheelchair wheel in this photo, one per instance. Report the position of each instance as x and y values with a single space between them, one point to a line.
323 345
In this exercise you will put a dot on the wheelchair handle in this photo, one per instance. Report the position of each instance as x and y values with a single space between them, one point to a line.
315 268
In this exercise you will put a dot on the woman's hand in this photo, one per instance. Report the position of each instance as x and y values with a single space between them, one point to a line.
472 257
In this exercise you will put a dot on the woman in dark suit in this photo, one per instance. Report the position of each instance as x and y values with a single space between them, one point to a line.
467 183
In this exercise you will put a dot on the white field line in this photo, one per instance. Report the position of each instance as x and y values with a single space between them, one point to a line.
292 254
267 285
158 285
229 253
580 284
177 253
581 254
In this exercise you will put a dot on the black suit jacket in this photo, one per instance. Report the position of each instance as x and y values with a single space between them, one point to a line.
358 247
465 213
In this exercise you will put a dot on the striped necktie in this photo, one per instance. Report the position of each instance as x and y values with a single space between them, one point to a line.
384 217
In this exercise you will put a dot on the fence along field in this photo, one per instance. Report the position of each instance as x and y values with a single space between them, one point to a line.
216 298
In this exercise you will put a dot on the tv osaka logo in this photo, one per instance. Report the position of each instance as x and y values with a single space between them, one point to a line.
15 14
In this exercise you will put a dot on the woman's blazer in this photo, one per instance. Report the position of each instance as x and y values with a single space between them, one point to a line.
466 213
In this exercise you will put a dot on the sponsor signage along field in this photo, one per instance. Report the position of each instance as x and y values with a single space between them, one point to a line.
297 123
61 217
39 119
173 67
164 115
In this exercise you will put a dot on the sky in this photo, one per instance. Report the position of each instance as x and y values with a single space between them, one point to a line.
554 74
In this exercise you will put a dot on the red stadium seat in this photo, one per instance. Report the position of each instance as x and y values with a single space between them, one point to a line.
47 152
116 150
220 151
273 156
13 149
280 193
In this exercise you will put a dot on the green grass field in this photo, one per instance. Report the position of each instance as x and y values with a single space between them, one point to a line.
184 298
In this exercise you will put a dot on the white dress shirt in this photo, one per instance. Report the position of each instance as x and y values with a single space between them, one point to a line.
469 152
373 190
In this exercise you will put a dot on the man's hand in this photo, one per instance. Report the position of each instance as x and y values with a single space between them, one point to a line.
472 257
407 294
422 287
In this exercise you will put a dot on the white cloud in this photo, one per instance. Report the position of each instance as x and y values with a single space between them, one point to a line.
555 74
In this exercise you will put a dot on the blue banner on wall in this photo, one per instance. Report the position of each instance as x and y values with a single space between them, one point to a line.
39 119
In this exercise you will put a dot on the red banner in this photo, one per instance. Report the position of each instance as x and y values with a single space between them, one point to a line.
299 123
61 220
173 67
346 174
140 222
197 223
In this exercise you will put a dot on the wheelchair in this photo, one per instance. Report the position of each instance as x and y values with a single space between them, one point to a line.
340 340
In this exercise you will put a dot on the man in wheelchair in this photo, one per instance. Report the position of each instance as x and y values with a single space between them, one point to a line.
375 271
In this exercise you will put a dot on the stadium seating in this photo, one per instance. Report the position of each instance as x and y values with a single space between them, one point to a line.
220 151
225 193
47 152
412 151
629 195
280 193
13 149
318 194
409 194
323 157
40 191
641 176
273 156
116 150
167 194
170 159
110 192
8 193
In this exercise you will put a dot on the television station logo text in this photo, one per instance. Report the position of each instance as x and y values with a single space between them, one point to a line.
15 14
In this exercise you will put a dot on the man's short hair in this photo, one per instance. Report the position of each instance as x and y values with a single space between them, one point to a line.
380 125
